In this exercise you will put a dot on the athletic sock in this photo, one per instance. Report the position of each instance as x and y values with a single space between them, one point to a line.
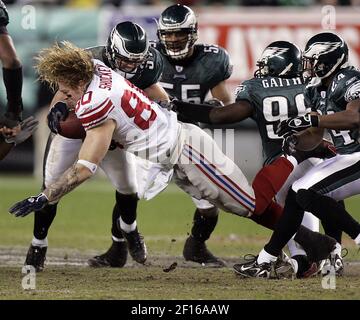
127 227
39 242
43 220
287 226
265 257
204 225
331 229
125 207
115 239
357 240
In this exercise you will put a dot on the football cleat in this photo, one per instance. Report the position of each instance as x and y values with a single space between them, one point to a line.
36 257
197 251
251 269
115 257
136 245
335 261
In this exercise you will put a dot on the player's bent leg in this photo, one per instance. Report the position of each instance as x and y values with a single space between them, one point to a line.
204 222
60 154
120 167
116 255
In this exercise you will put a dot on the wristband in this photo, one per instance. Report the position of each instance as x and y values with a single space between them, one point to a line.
91 166
314 120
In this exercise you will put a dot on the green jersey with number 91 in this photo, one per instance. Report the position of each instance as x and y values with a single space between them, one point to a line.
273 99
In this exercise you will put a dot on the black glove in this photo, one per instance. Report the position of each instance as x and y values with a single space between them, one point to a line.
59 112
9 120
297 124
289 144
214 102
169 105
24 207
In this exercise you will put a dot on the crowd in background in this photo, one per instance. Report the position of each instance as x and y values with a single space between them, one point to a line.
117 3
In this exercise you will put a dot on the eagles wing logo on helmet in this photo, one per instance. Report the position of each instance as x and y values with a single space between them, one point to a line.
319 48
274 51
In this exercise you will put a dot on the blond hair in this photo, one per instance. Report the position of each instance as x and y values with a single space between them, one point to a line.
64 63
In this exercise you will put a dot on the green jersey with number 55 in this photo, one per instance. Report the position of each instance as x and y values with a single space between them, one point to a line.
273 99
191 79
344 88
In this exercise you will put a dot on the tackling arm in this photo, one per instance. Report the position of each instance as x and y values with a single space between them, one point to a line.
231 113
221 93
309 139
343 120
156 92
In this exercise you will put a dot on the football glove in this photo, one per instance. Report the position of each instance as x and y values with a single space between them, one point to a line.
59 112
289 144
214 102
27 128
297 124
169 105
24 207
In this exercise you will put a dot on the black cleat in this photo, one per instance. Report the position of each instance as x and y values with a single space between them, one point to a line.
115 257
280 269
197 251
251 269
136 245
36 257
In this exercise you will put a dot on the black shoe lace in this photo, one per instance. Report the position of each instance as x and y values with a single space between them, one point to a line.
344 252
250 257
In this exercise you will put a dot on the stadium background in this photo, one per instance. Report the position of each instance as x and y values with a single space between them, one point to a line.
243 30
82 227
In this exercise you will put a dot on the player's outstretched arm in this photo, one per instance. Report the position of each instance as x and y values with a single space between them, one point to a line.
157 92
231 113
343 120
12 76
221 93
93 150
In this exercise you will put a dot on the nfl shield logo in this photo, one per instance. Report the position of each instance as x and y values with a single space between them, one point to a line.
179 68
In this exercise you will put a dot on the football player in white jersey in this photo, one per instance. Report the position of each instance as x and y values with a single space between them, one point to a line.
128 53
111 108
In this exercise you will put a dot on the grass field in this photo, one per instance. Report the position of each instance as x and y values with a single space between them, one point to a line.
82 229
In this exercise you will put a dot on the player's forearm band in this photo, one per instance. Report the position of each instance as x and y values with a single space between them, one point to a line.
195 112
91 166
13 80
314 121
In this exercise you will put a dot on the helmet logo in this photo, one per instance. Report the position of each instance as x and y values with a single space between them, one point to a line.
179 68
273 51
319 48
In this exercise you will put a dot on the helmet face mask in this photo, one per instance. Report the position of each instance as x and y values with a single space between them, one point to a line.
279 59
324 54
127 48
177 31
